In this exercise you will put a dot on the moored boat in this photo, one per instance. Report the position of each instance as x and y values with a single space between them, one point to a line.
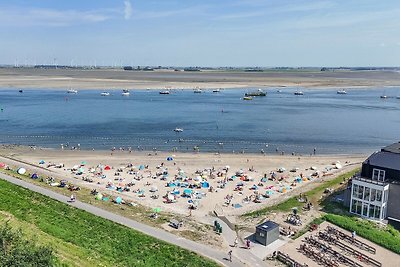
216 90
197 91
178 130
21 91
247 98
298 93
105 94
259 92
341 92
165 92
72 91
125 92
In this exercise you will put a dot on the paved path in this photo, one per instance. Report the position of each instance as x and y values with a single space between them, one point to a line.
152 231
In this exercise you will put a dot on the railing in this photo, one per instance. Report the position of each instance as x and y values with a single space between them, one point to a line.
369 180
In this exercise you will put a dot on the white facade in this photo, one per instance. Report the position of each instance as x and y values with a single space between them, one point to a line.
369 197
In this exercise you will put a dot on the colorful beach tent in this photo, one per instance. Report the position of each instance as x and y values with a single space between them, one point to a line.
187 191
118 200
41 162
107 168
157 210
2 165
170 159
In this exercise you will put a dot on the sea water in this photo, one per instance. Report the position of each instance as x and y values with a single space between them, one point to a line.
358 122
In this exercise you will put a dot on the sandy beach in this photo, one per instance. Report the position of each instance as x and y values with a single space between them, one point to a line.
228 183
109 79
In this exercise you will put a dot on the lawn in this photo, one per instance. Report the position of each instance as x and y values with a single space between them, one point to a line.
92 239
313 195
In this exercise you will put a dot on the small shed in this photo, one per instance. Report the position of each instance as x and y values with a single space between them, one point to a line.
267 232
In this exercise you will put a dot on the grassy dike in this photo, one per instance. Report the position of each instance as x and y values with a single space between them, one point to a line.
82 239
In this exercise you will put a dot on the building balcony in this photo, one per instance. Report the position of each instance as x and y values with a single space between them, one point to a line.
369 180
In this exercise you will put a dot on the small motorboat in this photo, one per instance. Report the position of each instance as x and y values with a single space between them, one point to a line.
247 98
197 91
178 130
298 93
341 92
105 94
20 91
165 92
384 96
398 97
279 91
72 91
125 92
216 90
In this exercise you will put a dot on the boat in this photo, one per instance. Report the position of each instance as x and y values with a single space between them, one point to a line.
398 97
197 91
20 91
384 96
216 90
125 92
298 93
165 92
105 94
259 92
279 91
247 98
72 91
341 92
178 130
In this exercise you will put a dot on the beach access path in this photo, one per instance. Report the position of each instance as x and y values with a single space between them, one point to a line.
216 255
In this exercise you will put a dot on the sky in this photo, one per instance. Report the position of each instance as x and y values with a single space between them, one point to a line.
213 33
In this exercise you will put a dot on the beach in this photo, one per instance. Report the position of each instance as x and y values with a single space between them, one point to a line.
108 79
228 183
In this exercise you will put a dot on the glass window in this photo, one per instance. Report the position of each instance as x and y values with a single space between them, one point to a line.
355 190
365 209
385 195
366 193
353 206
360 192
373 194
377 212
378 175
379 195
371 210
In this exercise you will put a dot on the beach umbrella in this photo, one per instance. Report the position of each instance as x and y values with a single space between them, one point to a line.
153 189
41 162
170 159
21 171
83 163
107 168
81 170
2 165
187 191
141 167
118 200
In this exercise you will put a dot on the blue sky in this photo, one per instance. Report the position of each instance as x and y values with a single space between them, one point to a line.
201 33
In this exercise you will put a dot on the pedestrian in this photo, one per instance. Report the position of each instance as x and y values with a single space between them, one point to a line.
230 255
235 243
248 243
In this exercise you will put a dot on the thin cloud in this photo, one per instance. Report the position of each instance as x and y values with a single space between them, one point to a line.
50 17
127 9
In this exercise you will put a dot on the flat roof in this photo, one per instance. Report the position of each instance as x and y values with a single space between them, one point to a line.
267 226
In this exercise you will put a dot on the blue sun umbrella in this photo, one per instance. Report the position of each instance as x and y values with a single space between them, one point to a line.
118 200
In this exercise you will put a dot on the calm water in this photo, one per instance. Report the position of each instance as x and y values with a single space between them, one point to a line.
357 122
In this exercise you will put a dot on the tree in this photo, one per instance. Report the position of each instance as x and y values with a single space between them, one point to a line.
17 251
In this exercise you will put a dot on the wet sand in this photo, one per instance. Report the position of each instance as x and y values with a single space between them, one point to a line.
106 79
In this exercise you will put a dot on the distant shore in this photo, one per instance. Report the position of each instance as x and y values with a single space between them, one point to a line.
112 79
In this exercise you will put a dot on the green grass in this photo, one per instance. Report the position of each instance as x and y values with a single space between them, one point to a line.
99 240
313 195
387 236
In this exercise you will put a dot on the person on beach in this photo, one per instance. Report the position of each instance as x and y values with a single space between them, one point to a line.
230 255
235 243
248 243
72 199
